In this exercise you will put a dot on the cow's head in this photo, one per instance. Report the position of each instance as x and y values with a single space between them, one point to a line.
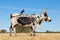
45 17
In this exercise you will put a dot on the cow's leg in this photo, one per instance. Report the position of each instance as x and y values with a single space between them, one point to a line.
31 31
11 29
14 29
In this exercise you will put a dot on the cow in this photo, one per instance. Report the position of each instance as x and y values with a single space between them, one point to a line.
33 21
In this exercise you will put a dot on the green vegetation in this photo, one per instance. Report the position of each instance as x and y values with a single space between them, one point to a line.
26 30
3 31
20 30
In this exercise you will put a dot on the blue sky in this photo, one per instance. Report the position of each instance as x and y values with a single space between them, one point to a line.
31 6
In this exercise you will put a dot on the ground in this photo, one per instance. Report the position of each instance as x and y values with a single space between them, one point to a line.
26 36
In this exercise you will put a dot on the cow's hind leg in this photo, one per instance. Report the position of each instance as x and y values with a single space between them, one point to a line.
14 29
11 29
31 31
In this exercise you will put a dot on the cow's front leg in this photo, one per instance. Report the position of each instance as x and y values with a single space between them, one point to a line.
32 30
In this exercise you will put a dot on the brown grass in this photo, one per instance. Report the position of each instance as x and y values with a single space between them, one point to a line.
26 36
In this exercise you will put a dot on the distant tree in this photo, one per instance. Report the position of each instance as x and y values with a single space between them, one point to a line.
50 31
3 31
47 31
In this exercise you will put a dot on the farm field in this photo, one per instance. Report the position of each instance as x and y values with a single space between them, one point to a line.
26 36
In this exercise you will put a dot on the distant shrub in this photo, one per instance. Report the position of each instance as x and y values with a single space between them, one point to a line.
3 31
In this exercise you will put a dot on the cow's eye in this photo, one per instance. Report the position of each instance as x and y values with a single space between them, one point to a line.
45 14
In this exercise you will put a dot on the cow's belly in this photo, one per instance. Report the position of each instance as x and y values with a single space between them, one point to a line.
27 25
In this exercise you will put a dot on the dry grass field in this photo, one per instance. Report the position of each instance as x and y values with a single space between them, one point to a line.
26 36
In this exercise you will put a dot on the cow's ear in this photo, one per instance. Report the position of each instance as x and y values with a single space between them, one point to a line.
45 12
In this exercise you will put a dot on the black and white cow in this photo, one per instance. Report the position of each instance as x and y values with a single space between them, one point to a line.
33 21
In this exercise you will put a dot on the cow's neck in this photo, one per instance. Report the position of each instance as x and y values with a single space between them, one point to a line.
40 22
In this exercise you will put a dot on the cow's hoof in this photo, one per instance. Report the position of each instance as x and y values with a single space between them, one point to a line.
34 35
10 35
30 34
